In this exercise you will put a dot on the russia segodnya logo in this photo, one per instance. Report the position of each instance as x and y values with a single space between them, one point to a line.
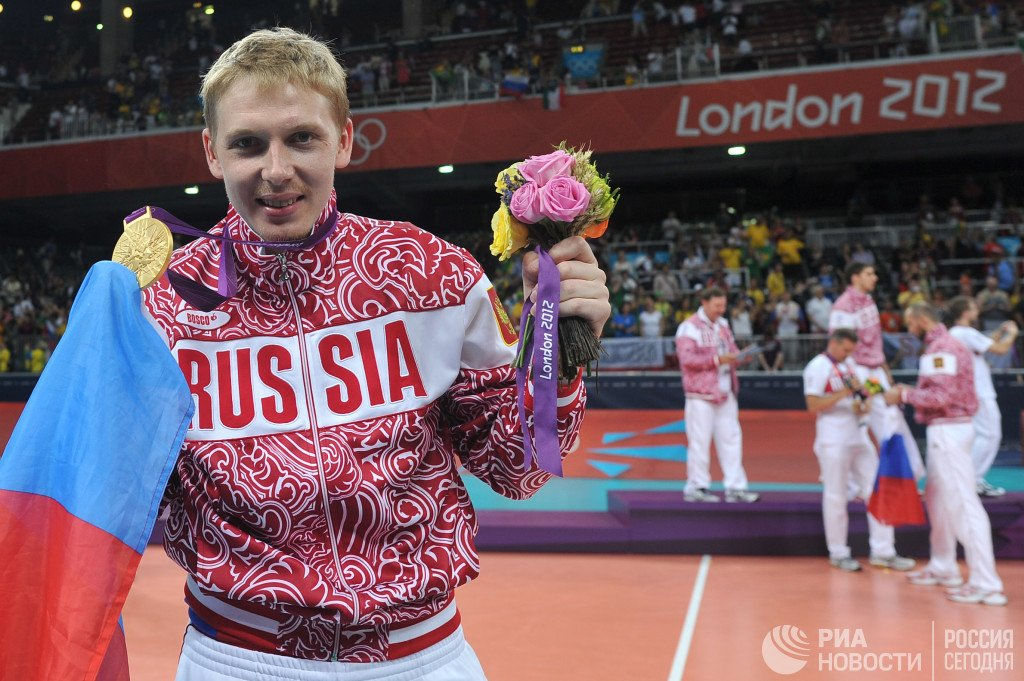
785 649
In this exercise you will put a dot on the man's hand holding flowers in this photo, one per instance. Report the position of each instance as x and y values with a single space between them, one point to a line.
583 292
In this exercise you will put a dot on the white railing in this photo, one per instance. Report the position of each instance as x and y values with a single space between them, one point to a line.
891 237
653 354
953 34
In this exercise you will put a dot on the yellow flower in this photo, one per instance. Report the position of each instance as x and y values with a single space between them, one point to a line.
510 235
512 173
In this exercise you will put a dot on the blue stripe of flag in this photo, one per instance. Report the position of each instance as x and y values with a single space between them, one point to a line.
102 430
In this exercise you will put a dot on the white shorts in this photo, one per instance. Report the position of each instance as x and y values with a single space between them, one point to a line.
204 659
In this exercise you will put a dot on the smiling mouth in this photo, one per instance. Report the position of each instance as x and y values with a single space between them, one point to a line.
278 203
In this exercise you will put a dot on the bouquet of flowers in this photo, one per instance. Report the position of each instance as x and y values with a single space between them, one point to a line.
544 200
873 387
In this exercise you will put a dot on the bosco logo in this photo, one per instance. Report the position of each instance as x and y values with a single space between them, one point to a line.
203 320
785 649
369 135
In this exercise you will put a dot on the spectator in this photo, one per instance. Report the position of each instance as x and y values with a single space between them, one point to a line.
787 316
862 255
623 323
739 319
890 318
913 294
776 282
993 305
639 17
651 320
671 227
1002 270
665 284
771 358
790 251
818 310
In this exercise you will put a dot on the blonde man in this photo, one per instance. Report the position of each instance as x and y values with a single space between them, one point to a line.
945 401
317 505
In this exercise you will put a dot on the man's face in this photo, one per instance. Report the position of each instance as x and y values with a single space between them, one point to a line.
866 280
714 307
841 349
970 315
913 324
276 151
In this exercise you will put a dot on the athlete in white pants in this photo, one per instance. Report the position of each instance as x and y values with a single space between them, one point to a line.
945 400
205 659
708 357
845 454
988 422
706 420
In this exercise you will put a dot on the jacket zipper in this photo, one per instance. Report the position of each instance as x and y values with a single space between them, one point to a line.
307 385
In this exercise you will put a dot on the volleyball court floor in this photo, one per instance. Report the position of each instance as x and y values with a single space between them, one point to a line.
621 617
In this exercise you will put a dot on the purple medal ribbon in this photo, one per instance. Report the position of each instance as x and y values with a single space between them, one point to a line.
542 367
199 296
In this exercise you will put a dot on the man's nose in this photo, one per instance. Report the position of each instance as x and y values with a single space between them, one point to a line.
278 168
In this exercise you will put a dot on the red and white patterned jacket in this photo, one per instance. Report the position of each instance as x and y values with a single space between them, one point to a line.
945 384
699 342
857 311
337 395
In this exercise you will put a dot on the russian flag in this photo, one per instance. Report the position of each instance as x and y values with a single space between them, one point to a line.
515 83
895 500
80 485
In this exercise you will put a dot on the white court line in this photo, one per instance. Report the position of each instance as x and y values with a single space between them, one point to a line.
690 624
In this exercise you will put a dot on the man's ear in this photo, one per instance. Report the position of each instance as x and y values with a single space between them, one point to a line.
345 142
211 155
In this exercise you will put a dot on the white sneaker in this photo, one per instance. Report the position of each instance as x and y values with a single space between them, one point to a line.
972 594
700 494
989 491
733 496
928 578
845 564
894 562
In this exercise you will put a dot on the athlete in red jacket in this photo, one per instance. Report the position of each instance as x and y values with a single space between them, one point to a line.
318 506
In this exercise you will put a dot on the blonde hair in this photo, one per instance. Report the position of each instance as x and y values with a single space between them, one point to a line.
273 57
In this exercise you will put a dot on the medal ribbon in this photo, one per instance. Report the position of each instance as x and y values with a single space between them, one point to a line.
198 295
542 366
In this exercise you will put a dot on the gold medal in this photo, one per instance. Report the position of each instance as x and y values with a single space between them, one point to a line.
145 248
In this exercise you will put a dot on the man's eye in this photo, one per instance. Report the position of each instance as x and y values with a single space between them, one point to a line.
303 137
244 143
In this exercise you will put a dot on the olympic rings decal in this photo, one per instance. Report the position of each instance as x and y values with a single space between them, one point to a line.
365 140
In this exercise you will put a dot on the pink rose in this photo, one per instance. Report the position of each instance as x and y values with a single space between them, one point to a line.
525 203
563 199
543 169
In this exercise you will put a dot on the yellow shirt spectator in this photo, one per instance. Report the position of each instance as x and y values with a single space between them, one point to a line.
788 250
732 257
756 296
757 233
907 298
5 359
37 360
776 283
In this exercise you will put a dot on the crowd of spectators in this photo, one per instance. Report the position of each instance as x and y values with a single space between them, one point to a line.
154 85
37 286
780 289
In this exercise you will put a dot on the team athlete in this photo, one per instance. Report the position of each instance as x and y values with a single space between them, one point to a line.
317 506
845 454
945 400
